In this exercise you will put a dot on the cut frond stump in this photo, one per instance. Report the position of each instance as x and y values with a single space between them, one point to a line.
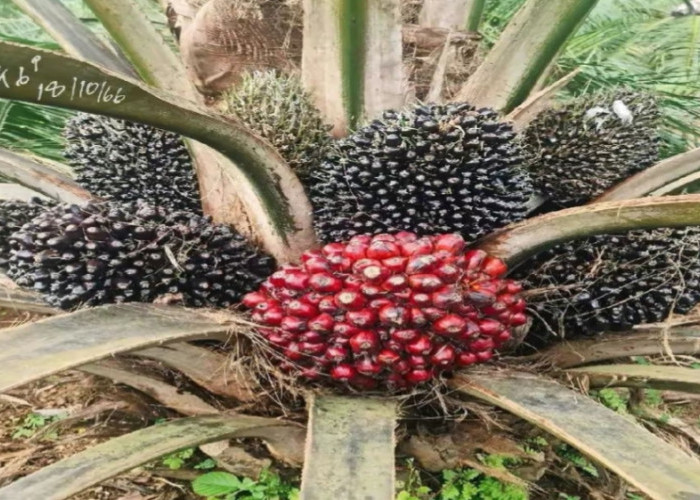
35 350
668 378
350 449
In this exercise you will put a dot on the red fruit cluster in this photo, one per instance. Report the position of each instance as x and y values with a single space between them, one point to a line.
391 310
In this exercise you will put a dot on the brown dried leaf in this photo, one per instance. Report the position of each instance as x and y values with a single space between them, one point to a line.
461 444
13 462
241 463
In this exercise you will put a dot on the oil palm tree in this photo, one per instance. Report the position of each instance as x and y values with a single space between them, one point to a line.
352 65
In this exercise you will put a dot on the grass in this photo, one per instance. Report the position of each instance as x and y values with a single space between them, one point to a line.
613 399
572 456
33 423
461 484
456 484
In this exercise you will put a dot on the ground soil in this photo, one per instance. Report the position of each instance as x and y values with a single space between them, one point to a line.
95 410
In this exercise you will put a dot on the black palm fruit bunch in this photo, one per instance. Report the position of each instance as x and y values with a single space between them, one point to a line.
13 215
434 169
390 311
126 161
577 151
277 108
613 282
120 252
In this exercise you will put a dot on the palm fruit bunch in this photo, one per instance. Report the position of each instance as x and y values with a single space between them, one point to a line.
120 252
435 169
579 150
126 161
613 282
388 311
13 215
278 109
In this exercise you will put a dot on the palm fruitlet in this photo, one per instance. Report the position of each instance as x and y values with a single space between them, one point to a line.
388 311
277 108
13 215
578 151
435 169
126 161
613 282
112 252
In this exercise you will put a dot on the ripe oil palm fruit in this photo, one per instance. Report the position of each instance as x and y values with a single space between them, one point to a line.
390 311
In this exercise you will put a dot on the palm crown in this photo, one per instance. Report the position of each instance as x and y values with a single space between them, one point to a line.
392 242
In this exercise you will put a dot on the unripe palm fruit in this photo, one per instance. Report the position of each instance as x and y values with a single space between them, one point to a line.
431 170
613 282
113 252
278 109
13 215
579 150
126 161
387 311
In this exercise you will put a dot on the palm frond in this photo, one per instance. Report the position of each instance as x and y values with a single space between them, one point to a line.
23 126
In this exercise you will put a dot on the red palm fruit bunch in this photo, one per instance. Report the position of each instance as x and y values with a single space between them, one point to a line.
388 311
